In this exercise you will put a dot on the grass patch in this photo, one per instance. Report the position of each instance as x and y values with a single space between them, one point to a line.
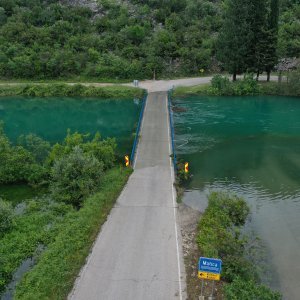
183 91
67 90
28 231
71 79
279 89
57 268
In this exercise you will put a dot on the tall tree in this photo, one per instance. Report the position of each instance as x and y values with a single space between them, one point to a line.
257 43
271 54
232 45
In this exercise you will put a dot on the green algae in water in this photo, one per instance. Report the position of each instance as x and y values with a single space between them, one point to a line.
50 118
249 146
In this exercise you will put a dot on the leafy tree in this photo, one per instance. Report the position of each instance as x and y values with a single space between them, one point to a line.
2 16
134 39
289 31
258 44
102 150
75 176
272 37
233 42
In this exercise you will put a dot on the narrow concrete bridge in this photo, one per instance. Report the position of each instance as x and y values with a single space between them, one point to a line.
137 254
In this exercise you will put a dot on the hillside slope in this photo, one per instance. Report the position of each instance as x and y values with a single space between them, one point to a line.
119 39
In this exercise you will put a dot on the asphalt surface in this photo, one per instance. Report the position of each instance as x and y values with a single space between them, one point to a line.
137 254
165 85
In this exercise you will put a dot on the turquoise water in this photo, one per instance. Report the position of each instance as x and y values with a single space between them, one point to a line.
50 118
250 146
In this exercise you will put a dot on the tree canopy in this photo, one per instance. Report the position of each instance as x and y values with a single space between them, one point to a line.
124 39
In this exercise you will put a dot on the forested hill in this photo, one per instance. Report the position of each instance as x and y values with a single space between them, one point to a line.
120 39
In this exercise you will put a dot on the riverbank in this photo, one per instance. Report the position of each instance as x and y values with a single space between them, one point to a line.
47 230
267 89
236 89
66 242
106 91
217 233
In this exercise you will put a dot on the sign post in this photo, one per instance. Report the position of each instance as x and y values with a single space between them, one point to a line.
209 269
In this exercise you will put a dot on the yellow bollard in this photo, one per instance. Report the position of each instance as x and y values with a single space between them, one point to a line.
127 162
186 167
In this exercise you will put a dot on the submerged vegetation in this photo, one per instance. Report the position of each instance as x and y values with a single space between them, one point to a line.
68 90
219 235
80 182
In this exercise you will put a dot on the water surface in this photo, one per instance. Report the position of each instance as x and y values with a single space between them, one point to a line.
50 118
250 146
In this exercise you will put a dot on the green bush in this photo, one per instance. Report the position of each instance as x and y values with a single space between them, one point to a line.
103 150
39 148
222 84
56 270
246 87
69 90
35 227
15 165
75 176
290 88
220 236
39 175
249 290
6 216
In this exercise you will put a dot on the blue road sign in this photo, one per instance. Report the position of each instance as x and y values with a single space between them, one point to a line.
210 265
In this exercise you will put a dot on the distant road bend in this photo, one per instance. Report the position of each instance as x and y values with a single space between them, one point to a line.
137 254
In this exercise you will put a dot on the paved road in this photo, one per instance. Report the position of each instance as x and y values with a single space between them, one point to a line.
153 85
165 85
138 252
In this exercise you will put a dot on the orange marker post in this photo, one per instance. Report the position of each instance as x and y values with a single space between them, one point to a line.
186 167
127 162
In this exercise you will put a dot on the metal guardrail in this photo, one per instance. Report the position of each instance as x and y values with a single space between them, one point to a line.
137 134
172 130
